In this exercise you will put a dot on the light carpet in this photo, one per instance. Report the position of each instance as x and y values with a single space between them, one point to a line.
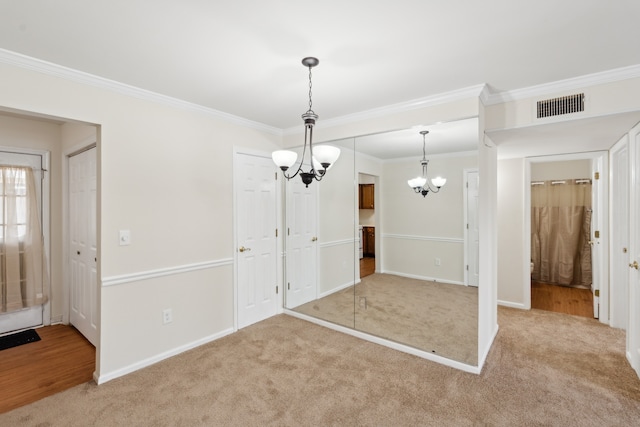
544 369
440 318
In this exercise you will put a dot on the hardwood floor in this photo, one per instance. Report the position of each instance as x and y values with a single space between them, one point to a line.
63 358
367 266
562 299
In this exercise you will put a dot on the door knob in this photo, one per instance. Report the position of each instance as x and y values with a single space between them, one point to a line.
313 239
634 265
243 249
78 252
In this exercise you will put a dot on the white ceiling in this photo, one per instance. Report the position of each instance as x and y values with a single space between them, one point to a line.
242 57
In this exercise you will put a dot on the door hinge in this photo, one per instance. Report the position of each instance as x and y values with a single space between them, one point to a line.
276 232
596 234
275 175
467 267
288 286
276 289
467 226
596 292
596 175
288 231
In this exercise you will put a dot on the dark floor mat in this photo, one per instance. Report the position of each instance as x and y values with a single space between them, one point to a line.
18 338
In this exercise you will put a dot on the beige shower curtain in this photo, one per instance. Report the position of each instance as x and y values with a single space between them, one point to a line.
22 266
560 232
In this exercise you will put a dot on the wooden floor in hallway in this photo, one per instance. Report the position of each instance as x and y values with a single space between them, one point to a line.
62 359
367 266
562 299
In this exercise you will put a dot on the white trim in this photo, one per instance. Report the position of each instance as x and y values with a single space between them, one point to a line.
51 69
103 378
338 289
573 83
424 238
337 243
387 343
415 104
514 304
162 272
426 278
482 356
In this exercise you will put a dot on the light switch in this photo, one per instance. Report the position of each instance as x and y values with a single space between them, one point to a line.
125 237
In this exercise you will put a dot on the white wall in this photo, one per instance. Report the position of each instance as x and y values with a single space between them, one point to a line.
603 99
165 173
416 230
569 169
511 229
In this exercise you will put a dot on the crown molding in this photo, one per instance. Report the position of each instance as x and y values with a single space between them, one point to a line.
23 61
429 101
609 76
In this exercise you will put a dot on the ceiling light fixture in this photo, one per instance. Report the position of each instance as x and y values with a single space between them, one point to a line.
421 184
322 157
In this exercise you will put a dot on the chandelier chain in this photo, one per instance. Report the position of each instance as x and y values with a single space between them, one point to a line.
310 87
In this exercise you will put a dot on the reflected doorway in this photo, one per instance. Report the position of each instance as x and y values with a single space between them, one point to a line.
366 223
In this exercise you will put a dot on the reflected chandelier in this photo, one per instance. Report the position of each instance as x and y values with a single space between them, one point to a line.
321 157
421 184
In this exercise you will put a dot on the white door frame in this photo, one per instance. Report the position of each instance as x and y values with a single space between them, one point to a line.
45 218
279 240
600 215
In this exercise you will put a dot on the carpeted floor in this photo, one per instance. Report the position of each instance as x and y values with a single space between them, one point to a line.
544 369
390 307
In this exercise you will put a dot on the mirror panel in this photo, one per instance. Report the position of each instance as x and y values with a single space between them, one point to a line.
415 245
335 247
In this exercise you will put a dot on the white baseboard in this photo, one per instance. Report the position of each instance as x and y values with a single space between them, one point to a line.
512 304
483 356
388 343
425 278
103 378
334 290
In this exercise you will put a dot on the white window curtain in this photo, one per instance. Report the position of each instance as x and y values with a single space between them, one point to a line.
23 277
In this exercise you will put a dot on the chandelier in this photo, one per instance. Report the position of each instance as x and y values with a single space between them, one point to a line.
421 184
322 157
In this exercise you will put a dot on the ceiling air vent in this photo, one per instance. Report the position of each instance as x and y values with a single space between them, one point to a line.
559 106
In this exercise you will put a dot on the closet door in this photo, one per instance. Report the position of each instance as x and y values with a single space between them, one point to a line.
633 328
83 244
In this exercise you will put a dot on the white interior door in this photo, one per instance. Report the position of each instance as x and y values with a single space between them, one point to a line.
83 305
256 239
633 327
33 316
302 229
472 234
619 253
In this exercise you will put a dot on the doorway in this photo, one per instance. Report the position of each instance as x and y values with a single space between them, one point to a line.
367 223
83 258
256 238
565 235
34 315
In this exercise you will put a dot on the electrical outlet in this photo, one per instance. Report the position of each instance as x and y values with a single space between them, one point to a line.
167 316
438 262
